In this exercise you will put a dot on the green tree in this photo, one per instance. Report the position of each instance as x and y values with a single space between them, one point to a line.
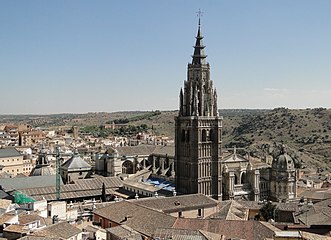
268 211
103 193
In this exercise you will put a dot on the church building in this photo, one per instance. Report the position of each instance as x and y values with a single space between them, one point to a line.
200 164
198 130
197 163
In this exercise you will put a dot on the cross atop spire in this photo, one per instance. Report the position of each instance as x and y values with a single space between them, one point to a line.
199 55
199 15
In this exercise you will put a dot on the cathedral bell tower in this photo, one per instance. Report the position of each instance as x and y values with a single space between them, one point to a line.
198 130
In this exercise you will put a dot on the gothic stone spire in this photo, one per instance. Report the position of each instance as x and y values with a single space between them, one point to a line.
198 130
198 97
199 56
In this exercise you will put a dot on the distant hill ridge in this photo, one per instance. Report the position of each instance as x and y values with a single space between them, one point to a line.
306 131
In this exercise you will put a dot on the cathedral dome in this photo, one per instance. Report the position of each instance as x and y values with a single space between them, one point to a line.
283 162
45 170
42 167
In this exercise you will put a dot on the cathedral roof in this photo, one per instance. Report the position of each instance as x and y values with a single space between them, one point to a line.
75 162
283 162
45 170
9 152
146 150
234 158
34 182
42 167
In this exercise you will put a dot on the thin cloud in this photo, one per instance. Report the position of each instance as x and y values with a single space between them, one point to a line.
276 89
276 92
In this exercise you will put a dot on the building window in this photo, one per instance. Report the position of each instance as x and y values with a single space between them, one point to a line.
243 178
183 135
199 212
180 214
235 179
187 137
203 135
211 136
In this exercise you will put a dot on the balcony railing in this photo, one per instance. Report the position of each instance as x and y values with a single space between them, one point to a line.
242 187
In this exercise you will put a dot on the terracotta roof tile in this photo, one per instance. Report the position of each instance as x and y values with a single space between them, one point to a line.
17 228
139 218
124 232
6 217
28 218
249 230
81 188
177 203
61 230
5 203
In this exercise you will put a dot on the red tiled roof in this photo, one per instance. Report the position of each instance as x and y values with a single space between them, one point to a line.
249 230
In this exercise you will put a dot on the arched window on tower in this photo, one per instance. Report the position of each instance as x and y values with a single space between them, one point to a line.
211 135
235 179
127 167
203 135
243 178
187 136
183 135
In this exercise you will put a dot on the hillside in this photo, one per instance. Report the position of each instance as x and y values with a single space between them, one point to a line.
307 132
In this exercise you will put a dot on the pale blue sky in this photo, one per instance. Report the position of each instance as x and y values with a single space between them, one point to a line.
91 56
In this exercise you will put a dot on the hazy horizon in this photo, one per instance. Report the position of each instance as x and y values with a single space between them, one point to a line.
106 56
165 110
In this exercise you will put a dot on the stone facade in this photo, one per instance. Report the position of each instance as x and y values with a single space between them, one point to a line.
75 168
29 138
198 130
131 159
283 178
11 161
199 164
241 180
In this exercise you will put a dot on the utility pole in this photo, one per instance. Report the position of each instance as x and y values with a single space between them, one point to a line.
58 187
